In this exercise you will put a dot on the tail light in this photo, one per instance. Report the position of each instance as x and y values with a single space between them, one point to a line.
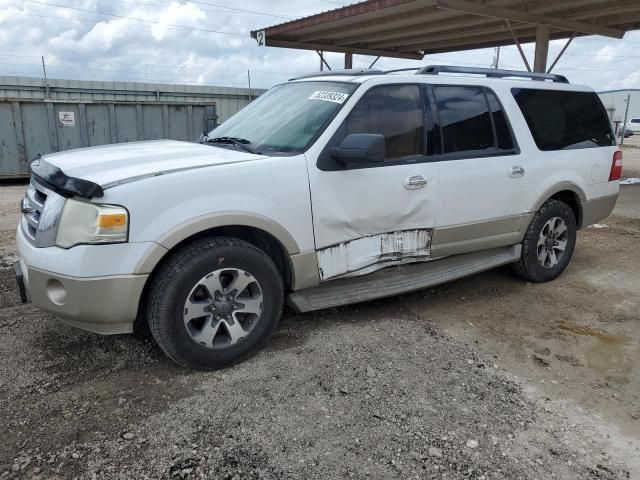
616 166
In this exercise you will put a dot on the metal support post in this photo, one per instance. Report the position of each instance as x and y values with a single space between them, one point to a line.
624 124
542 48
323 62
46 81
517 42
566 45
348 60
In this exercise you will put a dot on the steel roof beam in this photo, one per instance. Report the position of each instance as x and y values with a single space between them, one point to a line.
616 16
376 24
517 42
449 35
559 56
345 15
525 35
408 54
466 6
415 26
489 41
407 14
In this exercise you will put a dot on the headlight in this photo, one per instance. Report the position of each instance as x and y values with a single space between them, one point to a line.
84 222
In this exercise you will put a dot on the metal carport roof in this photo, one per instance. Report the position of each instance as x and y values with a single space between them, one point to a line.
413 28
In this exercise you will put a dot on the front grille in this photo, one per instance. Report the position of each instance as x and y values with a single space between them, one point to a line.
33 206
41 209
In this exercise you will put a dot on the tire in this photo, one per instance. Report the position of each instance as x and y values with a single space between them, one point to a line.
199 278
545 227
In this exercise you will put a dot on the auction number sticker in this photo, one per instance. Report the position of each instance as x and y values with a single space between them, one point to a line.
335 97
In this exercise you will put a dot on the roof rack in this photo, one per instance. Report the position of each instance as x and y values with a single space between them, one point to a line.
491 72
348 72
402 70
437 69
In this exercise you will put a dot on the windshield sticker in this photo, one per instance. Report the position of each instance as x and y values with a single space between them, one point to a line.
335 97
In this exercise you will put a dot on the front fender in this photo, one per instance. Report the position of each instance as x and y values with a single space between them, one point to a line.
224 219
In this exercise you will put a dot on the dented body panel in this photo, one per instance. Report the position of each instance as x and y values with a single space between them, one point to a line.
368 254
354 210
363 219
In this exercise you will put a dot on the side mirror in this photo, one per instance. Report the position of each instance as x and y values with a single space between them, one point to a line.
360 148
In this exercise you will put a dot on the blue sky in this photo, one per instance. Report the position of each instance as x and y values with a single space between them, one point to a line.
215 48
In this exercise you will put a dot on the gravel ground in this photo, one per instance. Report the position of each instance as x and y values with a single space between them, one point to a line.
488 377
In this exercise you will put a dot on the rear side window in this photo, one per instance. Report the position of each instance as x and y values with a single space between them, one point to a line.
394 111
564 120
472 120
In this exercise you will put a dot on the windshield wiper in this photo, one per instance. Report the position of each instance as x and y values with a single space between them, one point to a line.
243 143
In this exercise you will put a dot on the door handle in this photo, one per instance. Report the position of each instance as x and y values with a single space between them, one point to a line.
413 182
516 171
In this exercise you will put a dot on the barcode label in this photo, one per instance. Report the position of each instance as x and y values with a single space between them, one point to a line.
335 97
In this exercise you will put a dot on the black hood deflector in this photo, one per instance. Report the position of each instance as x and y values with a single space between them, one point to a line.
58 181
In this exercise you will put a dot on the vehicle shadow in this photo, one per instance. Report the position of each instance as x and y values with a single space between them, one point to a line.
294 328
66 349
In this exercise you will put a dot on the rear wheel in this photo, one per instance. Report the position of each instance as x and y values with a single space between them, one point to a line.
214 302
548 244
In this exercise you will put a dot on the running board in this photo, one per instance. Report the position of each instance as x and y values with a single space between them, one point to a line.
400 279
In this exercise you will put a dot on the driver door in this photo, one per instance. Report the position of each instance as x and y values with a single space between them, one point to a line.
369 216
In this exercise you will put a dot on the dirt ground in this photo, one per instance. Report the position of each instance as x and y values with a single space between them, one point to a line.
487 377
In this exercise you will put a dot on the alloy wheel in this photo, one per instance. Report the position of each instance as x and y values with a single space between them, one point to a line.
223 307
552 242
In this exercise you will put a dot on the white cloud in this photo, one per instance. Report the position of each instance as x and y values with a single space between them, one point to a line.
188 15
605 54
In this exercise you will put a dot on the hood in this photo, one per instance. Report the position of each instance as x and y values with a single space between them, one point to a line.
110 165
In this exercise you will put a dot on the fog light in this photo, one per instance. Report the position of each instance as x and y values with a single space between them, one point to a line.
56 291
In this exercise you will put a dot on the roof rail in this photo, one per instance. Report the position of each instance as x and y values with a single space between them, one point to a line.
491 72
348 72
396 70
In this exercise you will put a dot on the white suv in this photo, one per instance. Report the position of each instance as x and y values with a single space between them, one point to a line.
327 190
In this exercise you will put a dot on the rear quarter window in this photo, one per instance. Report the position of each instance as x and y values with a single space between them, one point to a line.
561 120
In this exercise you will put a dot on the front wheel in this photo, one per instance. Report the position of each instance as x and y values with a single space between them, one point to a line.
214 302
548 244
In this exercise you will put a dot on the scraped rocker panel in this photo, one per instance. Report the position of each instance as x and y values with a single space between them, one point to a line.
368 254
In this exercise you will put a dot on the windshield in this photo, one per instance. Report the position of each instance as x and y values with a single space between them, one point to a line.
288 117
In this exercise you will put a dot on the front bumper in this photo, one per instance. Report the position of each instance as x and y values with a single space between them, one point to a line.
104 302
106 305
22 288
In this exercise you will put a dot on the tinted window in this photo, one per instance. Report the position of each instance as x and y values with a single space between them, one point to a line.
464 119
394 111
635 120
562 120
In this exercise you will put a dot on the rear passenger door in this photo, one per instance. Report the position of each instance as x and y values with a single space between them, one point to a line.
479 169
